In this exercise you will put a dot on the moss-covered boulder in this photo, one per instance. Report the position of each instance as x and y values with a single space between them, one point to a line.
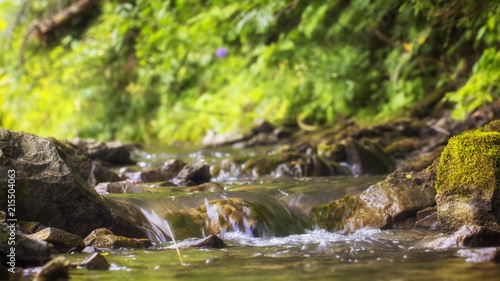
382 205
468 182
234 214
104 238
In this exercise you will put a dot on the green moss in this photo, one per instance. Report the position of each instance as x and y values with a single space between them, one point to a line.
470 163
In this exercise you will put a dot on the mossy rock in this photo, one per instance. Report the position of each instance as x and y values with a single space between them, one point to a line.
104 238
402 147
266 164
234 214
331 216
382 205
468 181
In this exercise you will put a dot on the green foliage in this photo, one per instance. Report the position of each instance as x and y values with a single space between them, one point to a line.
470 164
146 70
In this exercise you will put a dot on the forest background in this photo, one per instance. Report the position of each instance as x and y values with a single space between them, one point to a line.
148 71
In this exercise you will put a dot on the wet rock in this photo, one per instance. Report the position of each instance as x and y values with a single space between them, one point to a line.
430 222
212 241
90 250
468 182
53 193
114 152
232 214
95 262
91 171
119 187
59 238
57 268
466 236
28 251
104 238
207 187
490 254
382 205
194 174
262 138
401 148
212 139
367 158
169 171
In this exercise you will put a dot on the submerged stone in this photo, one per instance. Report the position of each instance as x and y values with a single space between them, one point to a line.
104 238
234 214
468 182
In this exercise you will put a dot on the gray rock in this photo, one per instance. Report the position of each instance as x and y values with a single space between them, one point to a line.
54 194
212 241
119 187
95 262
194 174
114 152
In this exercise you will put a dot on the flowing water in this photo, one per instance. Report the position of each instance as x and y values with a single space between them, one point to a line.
285 244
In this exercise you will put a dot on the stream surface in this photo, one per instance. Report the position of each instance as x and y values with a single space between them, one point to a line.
304 253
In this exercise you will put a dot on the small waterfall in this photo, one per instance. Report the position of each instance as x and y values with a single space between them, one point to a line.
159 231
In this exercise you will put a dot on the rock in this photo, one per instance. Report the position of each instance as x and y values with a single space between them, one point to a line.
466 236
119 187
209 186
194 174
382 205
29 227
172 167
115 152
430 222
212 139
261 126
91 171
60 238
262 138
90 250
57 268
95 261
54 194
490 254
468 182
367 158
28 251
104 238
223 215
401 148
212 241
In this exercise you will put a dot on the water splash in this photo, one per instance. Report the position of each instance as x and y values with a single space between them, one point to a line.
159 228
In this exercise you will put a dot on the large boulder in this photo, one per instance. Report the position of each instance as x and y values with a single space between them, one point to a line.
91 171
382 205
468 182
49 191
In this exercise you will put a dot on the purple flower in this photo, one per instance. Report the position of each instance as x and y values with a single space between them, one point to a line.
221 52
